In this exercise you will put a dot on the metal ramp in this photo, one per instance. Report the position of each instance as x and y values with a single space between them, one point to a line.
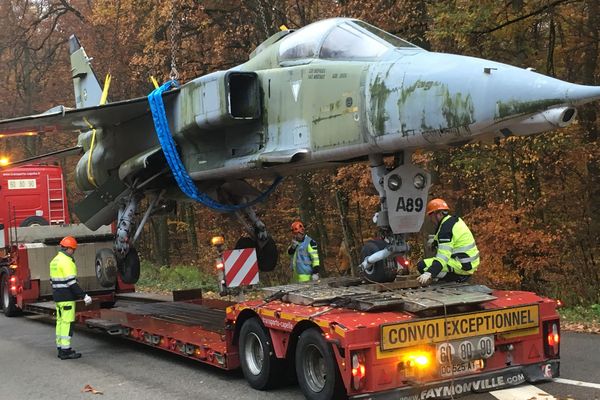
189 314
405 295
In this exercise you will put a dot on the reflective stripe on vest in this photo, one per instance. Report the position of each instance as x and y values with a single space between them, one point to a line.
457 253
302 262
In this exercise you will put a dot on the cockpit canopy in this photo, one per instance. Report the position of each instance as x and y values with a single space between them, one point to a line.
339 39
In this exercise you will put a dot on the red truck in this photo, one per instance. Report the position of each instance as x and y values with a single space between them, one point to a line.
33 195
34 217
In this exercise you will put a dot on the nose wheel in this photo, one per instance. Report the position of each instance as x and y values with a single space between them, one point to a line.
382 271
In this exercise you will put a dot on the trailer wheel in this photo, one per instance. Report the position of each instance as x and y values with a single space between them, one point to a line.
9 304
129 267
381 271
262 369
317 371
34 220
106 267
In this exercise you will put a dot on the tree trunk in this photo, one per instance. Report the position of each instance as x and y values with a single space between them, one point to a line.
309 214
348 239
161 240
190 220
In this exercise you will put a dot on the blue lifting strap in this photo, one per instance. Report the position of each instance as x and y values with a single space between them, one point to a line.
183 179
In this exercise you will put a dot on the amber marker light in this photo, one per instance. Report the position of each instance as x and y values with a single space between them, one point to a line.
217 241
419 360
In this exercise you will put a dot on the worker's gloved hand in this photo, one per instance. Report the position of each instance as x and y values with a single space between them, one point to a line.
424 278
294 244
315 277
87 300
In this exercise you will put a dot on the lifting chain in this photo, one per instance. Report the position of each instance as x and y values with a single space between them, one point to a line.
173 31
263 18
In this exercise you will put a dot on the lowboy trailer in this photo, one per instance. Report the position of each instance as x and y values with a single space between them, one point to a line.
343 338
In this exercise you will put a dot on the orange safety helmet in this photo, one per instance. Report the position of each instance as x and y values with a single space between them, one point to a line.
297 227
437 205
69 241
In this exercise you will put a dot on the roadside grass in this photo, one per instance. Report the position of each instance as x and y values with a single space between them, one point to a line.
581 318
161 279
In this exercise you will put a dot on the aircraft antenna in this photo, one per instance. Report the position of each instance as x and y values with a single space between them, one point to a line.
173 33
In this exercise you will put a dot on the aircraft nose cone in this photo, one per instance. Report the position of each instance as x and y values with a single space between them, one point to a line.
581 94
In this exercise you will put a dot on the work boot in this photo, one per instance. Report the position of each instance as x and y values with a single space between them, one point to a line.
68 354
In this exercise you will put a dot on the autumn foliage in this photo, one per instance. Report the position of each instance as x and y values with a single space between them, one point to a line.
532 202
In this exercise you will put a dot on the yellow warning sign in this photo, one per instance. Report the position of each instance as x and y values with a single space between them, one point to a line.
395 336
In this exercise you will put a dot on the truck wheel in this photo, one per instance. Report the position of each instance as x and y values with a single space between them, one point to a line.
262 369
129 267
317 371
106 267
266 256
381 271
34 220
9 304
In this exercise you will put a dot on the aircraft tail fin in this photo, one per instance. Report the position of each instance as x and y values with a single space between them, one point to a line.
88 92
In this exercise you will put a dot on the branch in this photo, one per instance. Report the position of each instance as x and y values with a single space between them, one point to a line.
521 18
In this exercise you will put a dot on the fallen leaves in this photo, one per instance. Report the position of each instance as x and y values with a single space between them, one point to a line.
580 327
89 388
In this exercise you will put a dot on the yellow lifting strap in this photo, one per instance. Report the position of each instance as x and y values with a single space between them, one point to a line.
90 174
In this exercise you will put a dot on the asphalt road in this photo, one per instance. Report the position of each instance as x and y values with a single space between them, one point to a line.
30 370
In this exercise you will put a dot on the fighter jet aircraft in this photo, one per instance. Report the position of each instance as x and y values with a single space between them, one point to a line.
334 92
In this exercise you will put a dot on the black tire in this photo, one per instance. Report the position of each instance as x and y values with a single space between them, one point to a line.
381 271
129 267
267 256
9 304
318 374
34 220
261 368
106 268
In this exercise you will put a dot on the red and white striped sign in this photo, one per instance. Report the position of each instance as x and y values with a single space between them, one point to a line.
241 267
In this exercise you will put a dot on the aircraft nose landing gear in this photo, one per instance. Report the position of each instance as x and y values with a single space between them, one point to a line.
402 194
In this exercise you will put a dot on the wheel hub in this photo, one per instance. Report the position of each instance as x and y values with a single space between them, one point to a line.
316 372
254 354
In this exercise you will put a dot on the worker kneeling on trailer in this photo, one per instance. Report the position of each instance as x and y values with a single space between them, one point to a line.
65 290
457 257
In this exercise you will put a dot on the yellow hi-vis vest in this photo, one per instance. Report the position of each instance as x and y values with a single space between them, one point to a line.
456 248
63 275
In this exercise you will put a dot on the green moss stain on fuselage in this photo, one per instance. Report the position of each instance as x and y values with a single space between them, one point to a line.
506 109
379 94
435 97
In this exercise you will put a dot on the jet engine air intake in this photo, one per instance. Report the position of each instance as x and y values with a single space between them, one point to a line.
221 99
553 118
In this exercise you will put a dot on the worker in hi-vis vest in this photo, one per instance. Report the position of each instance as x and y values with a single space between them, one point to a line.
65 290
456 258
305 257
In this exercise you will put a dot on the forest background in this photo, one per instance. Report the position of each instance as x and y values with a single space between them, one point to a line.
532 202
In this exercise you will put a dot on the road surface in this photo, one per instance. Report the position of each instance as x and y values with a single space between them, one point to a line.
30 370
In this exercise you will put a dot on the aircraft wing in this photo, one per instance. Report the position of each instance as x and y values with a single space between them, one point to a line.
62 119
